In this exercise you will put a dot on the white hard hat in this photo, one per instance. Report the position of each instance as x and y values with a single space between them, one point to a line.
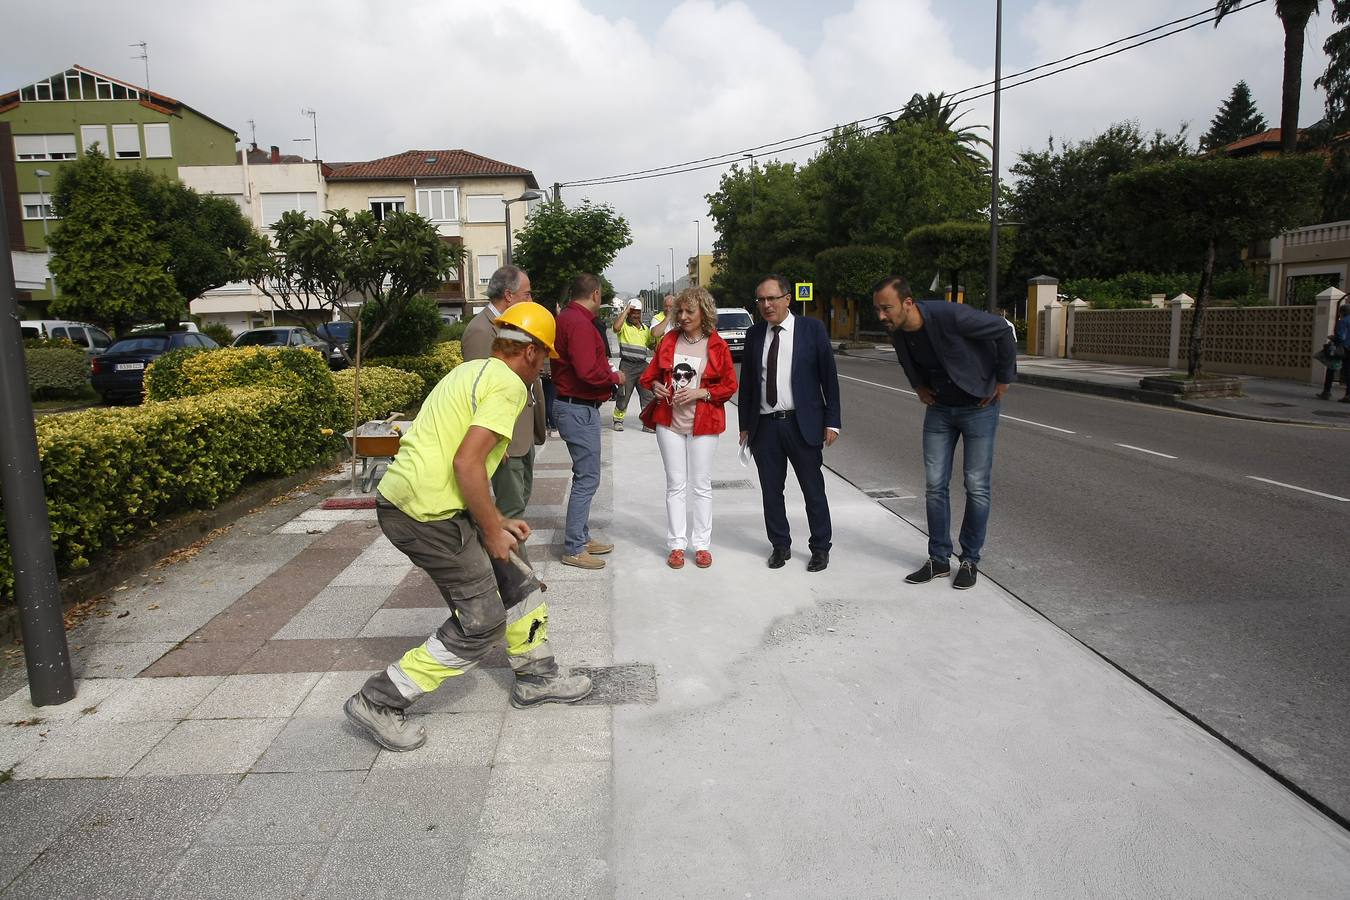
635 303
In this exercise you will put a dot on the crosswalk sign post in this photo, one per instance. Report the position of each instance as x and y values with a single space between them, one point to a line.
804 289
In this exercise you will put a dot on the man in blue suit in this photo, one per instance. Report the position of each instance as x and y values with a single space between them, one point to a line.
789 411
960 362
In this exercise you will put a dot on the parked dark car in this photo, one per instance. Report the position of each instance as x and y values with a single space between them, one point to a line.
281 336
337 335
119 373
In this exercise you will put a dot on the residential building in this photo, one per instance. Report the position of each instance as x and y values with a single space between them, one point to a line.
463 193
700 270
265 185
56 119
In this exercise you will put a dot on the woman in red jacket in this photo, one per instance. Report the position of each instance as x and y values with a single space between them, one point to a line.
692 377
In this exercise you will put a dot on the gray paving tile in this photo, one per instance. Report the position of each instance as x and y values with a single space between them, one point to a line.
231 873
45 809
256 696
397 808
306 526
555 734
284 808
552 798
210 747
403 622
92 749
337 612
581 648
11 864
115 874
414 869
453 739
363 574
116 660
561 868
17 743
477 690
149 813
329 693
381 552
88 693
319 745
156 699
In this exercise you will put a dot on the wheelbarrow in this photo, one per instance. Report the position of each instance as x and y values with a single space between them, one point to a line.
376 444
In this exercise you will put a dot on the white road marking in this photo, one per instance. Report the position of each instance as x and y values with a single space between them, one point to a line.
1003 415
1143 450
1038 424
1294 487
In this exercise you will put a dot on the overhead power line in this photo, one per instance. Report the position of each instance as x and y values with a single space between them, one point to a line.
1140 39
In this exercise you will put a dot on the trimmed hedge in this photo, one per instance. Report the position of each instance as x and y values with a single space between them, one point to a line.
55 372
111 472
431 366
384 390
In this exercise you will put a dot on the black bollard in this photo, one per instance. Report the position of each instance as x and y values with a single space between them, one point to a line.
30 535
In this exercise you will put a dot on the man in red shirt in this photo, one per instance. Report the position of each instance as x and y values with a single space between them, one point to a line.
583 379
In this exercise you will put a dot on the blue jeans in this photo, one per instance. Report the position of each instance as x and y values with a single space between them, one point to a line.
579 426
942 425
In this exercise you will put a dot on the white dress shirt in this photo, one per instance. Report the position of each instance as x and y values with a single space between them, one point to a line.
784 370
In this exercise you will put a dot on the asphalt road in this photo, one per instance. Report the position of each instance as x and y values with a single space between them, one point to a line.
1208 557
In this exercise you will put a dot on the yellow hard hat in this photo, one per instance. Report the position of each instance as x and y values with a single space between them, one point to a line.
532 319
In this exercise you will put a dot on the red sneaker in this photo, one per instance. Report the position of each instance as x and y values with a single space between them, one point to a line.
676 559
703 559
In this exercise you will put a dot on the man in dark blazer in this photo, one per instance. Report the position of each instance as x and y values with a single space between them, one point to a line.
789 411
960 362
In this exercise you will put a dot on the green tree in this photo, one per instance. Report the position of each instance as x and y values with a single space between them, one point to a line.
848 273
1060 196
198 232
938 111
1336 79
1294 16
348 263
1237 118
411 333
1204 206
107 265
558 243
956 247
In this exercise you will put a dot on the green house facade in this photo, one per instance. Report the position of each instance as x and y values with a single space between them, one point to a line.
55 120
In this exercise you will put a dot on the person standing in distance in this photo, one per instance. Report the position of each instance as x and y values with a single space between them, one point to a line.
635 351
584 381
960 362
513 482
789 411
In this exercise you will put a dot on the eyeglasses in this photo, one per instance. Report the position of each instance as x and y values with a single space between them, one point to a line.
769 299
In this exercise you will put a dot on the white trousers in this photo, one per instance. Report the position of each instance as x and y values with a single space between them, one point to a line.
689 462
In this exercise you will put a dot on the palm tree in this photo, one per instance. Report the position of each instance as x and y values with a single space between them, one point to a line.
939 112
1294 15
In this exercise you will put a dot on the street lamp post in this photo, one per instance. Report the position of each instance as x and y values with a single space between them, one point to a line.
672 270
42 211
993 200
525 197
660 285
698 251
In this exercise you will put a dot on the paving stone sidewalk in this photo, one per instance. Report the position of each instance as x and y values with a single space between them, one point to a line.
206 753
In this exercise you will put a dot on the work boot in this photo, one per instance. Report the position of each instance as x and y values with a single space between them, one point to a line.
532 690
618 424
388 726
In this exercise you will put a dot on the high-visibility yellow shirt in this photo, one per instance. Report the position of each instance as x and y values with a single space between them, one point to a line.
421 479
637 335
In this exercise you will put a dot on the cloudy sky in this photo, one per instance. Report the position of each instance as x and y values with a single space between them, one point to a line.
577 89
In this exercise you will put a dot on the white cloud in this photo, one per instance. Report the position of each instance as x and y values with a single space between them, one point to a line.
572 94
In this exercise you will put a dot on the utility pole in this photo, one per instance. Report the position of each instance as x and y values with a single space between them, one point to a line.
557 191
36 588
992 303
145 56
314 122
698 251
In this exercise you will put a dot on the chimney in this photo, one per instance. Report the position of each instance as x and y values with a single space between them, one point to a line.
276 154
253 147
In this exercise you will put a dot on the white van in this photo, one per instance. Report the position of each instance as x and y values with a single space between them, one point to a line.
92 339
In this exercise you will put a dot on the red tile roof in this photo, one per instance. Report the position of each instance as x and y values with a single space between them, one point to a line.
430 164
1264 138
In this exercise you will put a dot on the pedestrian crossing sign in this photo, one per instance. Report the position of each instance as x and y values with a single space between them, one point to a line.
804 289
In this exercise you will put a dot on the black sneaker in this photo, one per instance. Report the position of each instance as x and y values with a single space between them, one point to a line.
965 577
928 571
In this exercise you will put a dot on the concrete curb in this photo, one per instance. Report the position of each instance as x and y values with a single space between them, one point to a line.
114 564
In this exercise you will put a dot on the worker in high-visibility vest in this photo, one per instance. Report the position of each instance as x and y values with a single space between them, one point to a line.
435 505
635 351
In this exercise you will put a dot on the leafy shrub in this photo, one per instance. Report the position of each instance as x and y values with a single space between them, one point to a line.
455 330
1133 289
384 390
431 366
50 343
411 333
851 271
55 372
111 472
219 332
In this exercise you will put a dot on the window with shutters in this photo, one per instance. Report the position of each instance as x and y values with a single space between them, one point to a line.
487 264
126 141
95 134
438 204
157 144
273 205
486 208
44 146
36 206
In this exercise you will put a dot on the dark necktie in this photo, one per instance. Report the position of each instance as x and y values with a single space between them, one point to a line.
771 370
